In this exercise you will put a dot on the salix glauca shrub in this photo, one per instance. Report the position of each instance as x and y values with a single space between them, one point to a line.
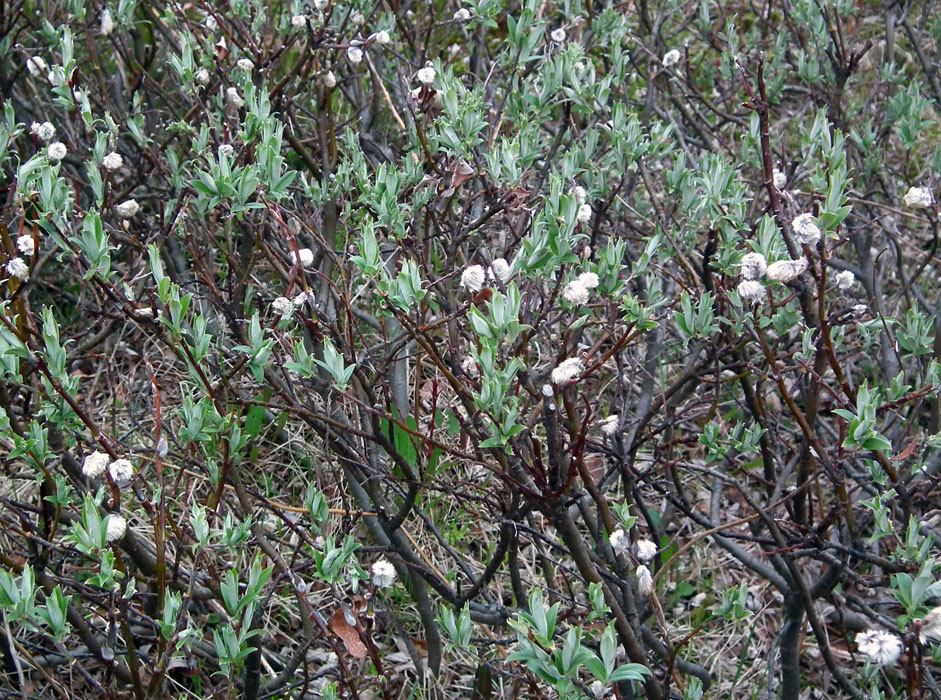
492 348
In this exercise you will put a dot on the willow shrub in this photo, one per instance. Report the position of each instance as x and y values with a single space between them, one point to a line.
511 348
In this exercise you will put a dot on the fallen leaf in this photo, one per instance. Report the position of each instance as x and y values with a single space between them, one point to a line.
596 465
906 453
348 633
460 173
483 683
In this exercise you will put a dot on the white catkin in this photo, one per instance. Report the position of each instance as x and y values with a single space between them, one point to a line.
751 291
879 646
806 230
473 277
753 266
619 541
116 528
383 574
918 198
784 271
95 464
567 371
576 293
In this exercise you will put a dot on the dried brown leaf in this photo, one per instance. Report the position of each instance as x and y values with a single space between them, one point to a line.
348 633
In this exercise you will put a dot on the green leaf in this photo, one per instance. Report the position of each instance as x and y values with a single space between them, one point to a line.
230 591
403 441
254 420
877 443
630 672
